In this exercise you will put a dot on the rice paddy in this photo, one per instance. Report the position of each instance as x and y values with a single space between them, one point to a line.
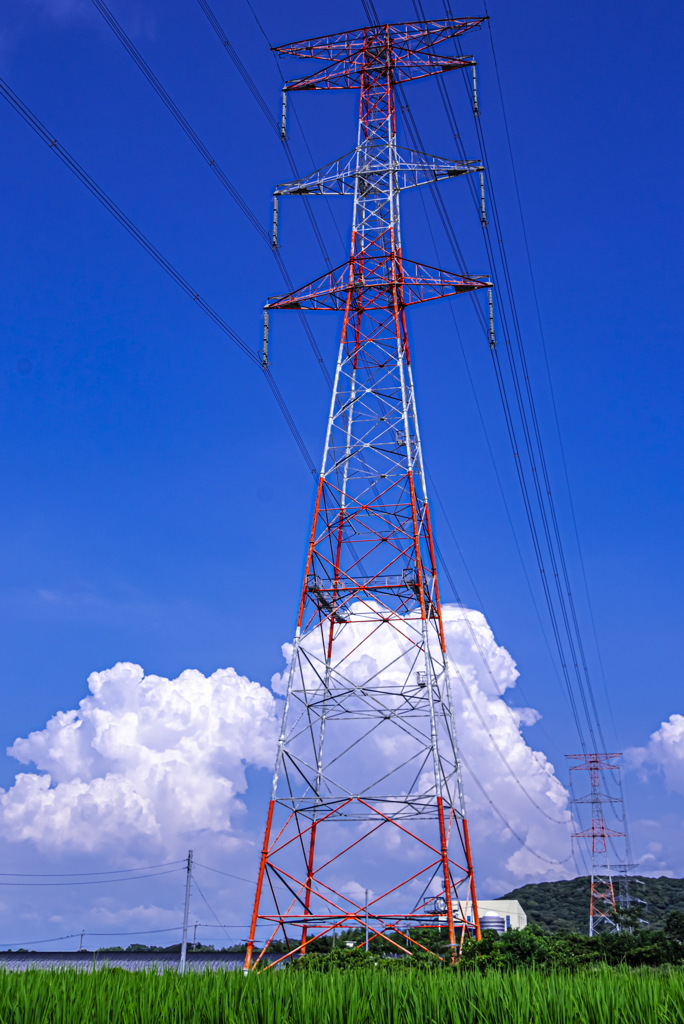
109 996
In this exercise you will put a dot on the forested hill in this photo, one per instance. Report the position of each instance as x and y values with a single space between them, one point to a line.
565 905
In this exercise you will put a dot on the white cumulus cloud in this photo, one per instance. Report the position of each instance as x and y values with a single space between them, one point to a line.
519 781
146 764
502 772
142 757
665 752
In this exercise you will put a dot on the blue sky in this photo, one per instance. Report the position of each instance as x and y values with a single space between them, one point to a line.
154 505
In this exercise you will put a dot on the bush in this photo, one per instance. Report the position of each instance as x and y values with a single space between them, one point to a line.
341 959
530 947
569 952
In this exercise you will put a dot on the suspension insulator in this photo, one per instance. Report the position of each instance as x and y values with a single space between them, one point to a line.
264 353
476 105
274 233
283 119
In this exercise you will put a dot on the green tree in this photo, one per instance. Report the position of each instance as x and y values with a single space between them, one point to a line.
674 926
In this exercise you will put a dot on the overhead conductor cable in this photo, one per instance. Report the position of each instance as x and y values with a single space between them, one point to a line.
491 333
204 152
125 222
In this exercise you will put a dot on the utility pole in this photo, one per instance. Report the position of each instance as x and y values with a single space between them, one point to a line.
366 920
602 906
184 941
380 745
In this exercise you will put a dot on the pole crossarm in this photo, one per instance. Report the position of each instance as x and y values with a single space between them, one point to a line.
363 288
412 169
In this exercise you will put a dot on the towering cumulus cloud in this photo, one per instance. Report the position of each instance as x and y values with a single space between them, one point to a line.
512 793
143 757
665 752
145 762
502 772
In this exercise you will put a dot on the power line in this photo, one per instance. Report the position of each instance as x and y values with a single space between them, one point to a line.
96 935
574 634
550 529
112 935
548 374
247 78
182 121
499 484
277 128
200 925
206 155
95 881
80 874
239 878
286 146
448 227
451 235
499 814
501 753
147 931
485 661
126 223
446 221
210 907
549 520
495 684
253 88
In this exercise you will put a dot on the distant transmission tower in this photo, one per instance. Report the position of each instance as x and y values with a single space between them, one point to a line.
367 759
626 901
602 903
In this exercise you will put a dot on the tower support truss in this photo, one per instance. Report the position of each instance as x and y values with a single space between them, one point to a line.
367 781
602 904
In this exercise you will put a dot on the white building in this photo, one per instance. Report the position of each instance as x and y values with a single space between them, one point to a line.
498 915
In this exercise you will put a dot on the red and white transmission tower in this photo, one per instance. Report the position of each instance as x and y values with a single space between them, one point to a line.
367 775
602 899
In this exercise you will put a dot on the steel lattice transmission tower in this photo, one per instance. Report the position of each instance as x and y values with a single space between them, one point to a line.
367 754
602 907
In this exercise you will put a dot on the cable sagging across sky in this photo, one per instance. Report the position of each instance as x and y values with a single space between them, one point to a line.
126 223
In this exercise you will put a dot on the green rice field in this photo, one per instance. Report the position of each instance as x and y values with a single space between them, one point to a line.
602 996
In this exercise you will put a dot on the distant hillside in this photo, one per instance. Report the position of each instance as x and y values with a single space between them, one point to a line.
565 905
